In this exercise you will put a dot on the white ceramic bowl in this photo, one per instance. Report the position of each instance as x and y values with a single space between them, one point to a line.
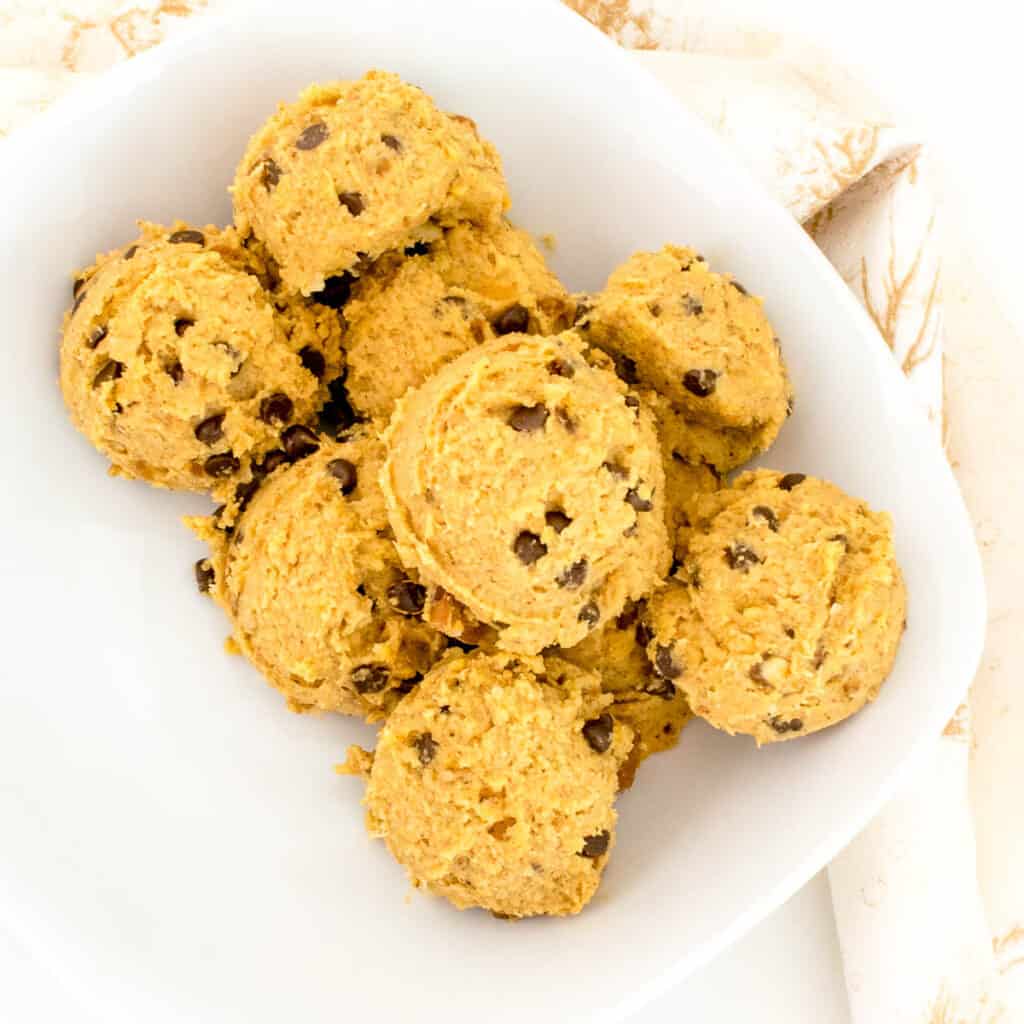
175 844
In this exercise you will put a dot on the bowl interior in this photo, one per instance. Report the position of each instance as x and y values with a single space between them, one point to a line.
176 845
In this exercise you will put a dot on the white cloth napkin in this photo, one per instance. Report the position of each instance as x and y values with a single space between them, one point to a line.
922 941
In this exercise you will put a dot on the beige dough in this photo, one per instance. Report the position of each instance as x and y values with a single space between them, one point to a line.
354 169
520 480
493 784
313 587
787 611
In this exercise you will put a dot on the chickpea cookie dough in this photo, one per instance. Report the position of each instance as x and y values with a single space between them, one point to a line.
493 783
702 342
787 611
409 315
525 483
355 169
179 367
313 588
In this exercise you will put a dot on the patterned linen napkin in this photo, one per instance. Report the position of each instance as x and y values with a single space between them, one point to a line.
915 926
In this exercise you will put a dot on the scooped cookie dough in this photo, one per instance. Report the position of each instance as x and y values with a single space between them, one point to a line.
787 611
178 367
311 582
355 169
523 481
493 784
408 316
702 342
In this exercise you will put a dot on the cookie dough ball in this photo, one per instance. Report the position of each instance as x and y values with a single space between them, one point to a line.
493 784
701 341
787 611
521 480
409 316
311 582
177 366
354 169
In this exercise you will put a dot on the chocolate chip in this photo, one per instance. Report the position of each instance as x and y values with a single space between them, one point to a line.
345 473
407 597
616 469
625 368
79 299
557 520
632 402
204 575
353 202
130 252
741 558
590 614
423 249
210 430
640 504
665 664
335 292
655 309
795 724
244 493
596 845
313 361
195 237
643 634
514 320
780 725
276 408
223 464
791 633
299 441
270 174
791 480
312 136
528 418
392 143
182 324
426 746
273 460
692 306
598 733
370 678
573 577
560 368
176 372
700 382
109 371
756 671
529 547
98 334
739 287
765 513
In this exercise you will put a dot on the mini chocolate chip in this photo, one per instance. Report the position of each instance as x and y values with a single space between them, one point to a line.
739 287
392 142
795 724
765 513
841 538
655 309
273 460
276 408
407 597
643 634
598 733
596 845
590 614
616 469
529 547
312 136
426 746
299 441
335 292
445 709
182 324
244 493
660 688
270 174
632 402
195 237
210 430
560 368
790 632
700 382
109 371
423 249
625 367
130 252
665 664
741 558
96 337
353 202
204 575
528 418
345 473
640 504
313 361
176 372
756 671
573 577
692 306
514 320
780 725
370 678
557 520
791 480
220 465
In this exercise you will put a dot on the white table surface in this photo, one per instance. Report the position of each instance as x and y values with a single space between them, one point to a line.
959 72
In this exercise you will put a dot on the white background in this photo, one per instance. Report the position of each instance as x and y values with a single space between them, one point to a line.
956 71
